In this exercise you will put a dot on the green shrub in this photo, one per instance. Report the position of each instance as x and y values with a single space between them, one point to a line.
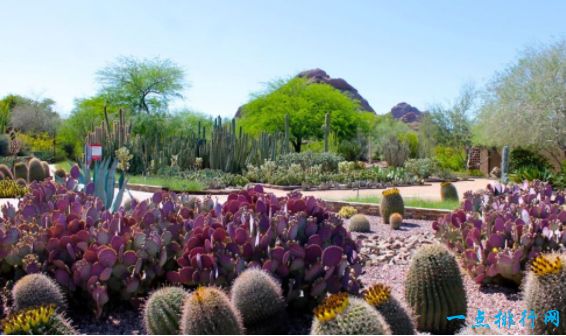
351 150
450 157
521 158
394 151
422 168
327 161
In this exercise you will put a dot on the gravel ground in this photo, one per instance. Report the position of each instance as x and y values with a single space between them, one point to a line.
401 244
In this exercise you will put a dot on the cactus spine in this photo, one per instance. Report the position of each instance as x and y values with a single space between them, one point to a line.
505 165
545 290
391 202
448 191
34 290
208 311
162 311
379 296
359 223
340 314
42 320
259 299
434 290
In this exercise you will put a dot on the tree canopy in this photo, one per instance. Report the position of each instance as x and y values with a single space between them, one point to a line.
526 103
142 85
306 104
29 115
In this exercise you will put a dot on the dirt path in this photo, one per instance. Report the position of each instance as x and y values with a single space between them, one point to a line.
429 191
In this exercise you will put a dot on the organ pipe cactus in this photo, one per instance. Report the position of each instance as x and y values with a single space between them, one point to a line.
505 165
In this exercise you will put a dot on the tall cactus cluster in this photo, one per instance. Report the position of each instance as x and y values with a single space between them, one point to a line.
545 290
391 202
434 290
505 165
379 296
341 314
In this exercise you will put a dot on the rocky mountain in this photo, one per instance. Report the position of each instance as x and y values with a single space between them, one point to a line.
406 113
320 76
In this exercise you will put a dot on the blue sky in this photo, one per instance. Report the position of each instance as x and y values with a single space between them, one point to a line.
420 52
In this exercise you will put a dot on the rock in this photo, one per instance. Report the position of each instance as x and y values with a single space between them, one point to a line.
406 113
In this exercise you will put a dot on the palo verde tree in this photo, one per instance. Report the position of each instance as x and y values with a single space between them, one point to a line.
144 86
306 104
526 103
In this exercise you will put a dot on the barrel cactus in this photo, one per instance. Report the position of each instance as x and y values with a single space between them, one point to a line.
21 182
60 172
208 311
46 170
259 299
34 290
35 171
359 223
340 314
379 296
395 220
42 320
162 311
448 192
545 290
21 171
434 290
6 172
391 202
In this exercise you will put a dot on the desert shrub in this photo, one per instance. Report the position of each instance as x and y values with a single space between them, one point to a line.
328 161
422 168
521 158
497 232
450 157
395 151
351 150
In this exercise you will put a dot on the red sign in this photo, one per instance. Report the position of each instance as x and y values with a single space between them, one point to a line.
96 152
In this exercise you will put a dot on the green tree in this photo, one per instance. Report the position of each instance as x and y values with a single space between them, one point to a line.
145 85
526 103
32 116
306 103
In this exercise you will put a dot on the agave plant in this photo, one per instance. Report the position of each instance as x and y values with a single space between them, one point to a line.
498 231
102 182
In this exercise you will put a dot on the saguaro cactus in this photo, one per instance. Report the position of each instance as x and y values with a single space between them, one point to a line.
505 165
